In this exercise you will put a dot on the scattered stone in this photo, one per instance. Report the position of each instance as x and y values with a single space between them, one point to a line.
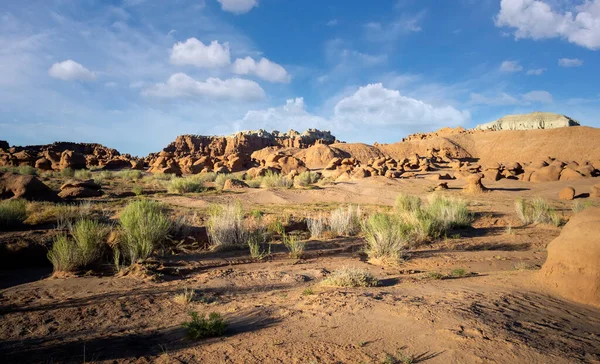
441 186
567 193
234 184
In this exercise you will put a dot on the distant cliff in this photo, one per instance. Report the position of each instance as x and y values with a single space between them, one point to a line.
534 120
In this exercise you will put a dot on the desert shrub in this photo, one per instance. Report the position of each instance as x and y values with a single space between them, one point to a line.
254 182
27 170
276 228
294 245
257 244
317 226
458 272
351 277
225 226
450 212
536 211
185 298
221 178
186 185
12 213
66 215
579 205
161 176
63 255
407 203
137 190
102 176
386 236
67 172
89 235
82 174
345 221
201 327
272 179
207 177
144 225
130 174
306 178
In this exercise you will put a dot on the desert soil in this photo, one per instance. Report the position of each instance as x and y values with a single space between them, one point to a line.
278 312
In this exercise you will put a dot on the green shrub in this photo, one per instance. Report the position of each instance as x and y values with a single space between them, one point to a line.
162 176
450 213
407 203
64 255
186 185
386 236
144 225
12 213
28 170
67 173
221 178
137 190
317 226
130 174
85 247
345 221
306 179
579 205
272 180
351 277
202 327
294 245
458 272
257 244
207 177
225 226
82 174
536 211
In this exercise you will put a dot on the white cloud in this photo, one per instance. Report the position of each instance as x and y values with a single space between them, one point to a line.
538 96
537 20
376 105
238 6
511 66
264 69
536 71
70 70
292 115
570 62
194 52
389 32
181 85
332 22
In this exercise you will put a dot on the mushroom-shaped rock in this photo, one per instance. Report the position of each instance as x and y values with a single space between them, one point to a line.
572 269
474 184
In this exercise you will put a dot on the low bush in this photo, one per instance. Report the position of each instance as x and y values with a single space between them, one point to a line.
185 298
221 178
536 211
67 173
186 185
137 190
225 226
317 226
259 248
82 174
345 221
579 205
351 277
130 174
306 178
386 236
63 255
144 225
201 327
207 177
25 170
274 180
12 213
294 245
407 203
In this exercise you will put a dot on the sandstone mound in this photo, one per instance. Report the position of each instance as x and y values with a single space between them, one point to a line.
534 120
26 187
318 155
572 269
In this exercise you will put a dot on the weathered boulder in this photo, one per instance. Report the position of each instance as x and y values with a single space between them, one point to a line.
289 163
43 164
567 193
441 186
80 189
546 174
569 174
234 184
26 187
572 269
72 159
116 163
474 184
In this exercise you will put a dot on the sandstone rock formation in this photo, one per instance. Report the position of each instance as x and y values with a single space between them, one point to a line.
26 187
534 120
567 193
572 269
79 189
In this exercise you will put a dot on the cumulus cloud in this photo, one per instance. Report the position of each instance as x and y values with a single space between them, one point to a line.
387 32
374 104
194 52
570 62
292 115
537 20
264 69
538 96
238 6
536 71
70 70
510 66
181 85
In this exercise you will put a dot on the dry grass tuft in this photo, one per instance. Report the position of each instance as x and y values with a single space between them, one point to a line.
351 277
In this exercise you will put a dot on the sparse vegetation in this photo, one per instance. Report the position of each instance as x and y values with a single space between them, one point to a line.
407 203
67 173
272 179
221 178
25 170
201 327
345 221
12 213
458 272
435 275
317 226
82 174
137 190
306 179
185 298
132 174
536 211
386 236
579 205
225 226
256 244
186 185
351 277
294 245
144 225
308 292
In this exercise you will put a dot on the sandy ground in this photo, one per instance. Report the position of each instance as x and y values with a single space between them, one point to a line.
278 312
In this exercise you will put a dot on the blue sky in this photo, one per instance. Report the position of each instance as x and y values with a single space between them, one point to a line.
134 74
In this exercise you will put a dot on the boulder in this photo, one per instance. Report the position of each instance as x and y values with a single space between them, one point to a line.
43 164
441 186
567 193
86 184
360 173
572 269
116 163
333 163
137 164
586 170
289 163
569 174
72 159
234 184
26 187
80 192
474 184
4 145
546 174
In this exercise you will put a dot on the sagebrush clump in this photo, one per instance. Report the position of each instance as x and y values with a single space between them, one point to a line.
317 226
12 213
225 226
345 221
306 178
273 180
186 185
201 327
351 277
536 211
